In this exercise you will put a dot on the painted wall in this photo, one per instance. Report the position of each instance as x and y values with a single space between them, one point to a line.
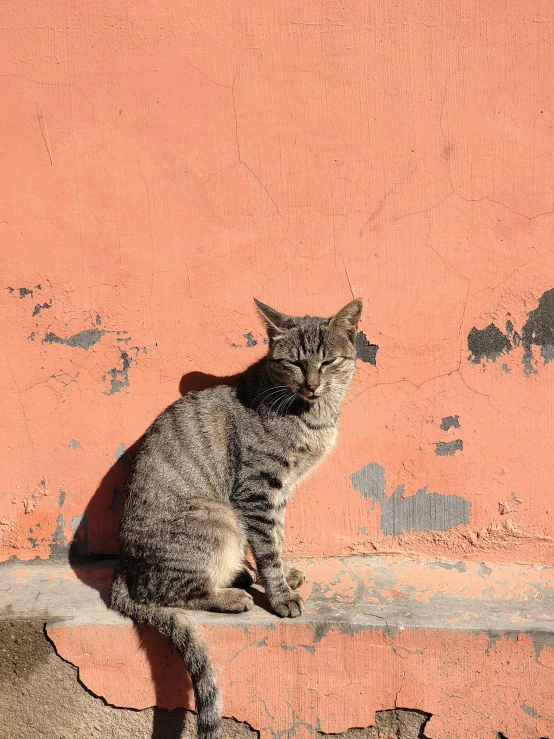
164 162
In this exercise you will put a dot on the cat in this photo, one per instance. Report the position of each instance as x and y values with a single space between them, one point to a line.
212 477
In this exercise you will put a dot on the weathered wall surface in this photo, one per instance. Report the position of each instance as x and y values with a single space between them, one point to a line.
163 162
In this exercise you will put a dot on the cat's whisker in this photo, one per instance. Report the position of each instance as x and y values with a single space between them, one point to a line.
282 405
276 402
269 390
271 399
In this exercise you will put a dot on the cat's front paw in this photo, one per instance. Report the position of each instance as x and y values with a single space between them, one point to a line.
288 606
294 578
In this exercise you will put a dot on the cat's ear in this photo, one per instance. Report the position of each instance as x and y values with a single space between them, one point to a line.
276 323
348 318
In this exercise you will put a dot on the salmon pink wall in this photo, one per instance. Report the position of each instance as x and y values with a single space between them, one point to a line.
164 162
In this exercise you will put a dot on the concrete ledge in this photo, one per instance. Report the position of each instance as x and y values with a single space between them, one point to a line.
450 639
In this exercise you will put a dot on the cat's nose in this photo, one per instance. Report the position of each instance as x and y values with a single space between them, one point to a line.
312 386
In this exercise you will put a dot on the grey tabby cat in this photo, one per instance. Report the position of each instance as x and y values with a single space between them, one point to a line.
213 475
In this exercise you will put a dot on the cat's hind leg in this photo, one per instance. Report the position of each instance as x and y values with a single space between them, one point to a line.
193 559
216 533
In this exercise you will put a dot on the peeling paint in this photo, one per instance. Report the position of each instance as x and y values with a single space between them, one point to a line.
450 422
83 340
487 343
250 341
539 331
23 291
364 350
119 378
448 448
61 498
74 444
42 306
121 456
423 511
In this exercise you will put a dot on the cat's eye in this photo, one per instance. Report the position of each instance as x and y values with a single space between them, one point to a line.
328 361
282 360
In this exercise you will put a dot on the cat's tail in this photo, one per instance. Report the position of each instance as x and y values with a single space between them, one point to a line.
174 624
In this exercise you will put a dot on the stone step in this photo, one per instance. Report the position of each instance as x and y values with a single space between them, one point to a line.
472 644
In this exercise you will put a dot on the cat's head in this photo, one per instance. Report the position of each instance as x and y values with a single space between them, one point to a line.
314 357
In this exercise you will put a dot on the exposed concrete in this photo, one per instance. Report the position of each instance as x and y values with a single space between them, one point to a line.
487 343
41 696
423 511
449 422
366 351
83 340
448 448
539 331
397 723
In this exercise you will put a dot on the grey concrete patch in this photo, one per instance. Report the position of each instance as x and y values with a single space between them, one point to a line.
423 512
487 343
119 378
23 291
366 351
450 422
82 340
42 306
370 482
539 331
122 456
400 723
448 448
420 512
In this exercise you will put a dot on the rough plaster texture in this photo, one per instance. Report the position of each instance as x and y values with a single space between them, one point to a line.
164 162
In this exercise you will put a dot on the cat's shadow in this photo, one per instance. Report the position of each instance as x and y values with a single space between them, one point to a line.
97 532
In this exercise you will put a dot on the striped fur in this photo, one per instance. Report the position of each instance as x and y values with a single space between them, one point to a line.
212 477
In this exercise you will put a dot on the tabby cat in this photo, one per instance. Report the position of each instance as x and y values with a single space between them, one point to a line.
212 477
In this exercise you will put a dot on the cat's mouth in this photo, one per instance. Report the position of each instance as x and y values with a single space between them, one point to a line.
308 397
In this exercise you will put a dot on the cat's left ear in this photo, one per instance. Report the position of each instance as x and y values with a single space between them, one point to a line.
276 323
348 318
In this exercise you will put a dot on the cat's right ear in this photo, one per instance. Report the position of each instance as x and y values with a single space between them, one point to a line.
276 323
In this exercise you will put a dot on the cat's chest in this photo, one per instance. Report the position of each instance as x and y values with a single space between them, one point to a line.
308 451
